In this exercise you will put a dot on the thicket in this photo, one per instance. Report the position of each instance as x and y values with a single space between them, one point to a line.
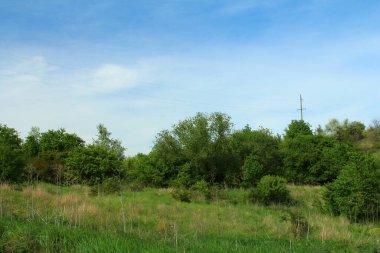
204 151
356 191
11 155
271 189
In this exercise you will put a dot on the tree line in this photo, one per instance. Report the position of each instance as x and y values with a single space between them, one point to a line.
205 149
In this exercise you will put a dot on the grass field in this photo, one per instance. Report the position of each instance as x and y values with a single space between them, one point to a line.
48 218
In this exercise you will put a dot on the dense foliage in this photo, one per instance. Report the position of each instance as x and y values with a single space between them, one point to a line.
92 165
297 128
356 192
141 169
204 152
345 131
257 153
197 148
11 160
271 189
46 153
95 163
313 159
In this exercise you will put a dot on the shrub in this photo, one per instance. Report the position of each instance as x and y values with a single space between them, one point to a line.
92 165
202 187
252 171
182 195
271 189
356 191
184 178
141 170
11 157
109 186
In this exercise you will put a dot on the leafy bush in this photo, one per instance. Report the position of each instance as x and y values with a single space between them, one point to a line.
297 128
252 171
356 191
92 165
271 189
11 157
257 153
182 195
196 148
142 171
185 177
202 187
313 159
109 186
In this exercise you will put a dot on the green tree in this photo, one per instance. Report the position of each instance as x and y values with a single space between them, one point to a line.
141 170
59 141
104 139
332 157
256 150
313 159
299 156
296 128
253 171
97 162
92 165
332 127
345 131
271 189
356 191
201 144
167 156
32 143
53 148
11 155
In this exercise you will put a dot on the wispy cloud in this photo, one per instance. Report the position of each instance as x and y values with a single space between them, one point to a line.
25 76
239 6
113 77
28 70
140 66
110 78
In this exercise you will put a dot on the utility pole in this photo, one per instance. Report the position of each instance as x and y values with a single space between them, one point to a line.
301 109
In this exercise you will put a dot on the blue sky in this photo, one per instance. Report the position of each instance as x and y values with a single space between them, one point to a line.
141 66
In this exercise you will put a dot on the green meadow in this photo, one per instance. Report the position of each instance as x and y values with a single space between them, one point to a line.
50 218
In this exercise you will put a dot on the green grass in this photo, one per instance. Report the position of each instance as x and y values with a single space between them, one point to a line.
48 218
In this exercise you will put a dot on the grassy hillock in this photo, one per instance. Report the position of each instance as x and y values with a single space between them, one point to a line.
49 218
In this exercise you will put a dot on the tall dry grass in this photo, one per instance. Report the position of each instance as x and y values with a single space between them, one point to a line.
155 214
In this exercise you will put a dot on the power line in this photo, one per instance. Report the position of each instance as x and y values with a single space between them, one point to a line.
301 107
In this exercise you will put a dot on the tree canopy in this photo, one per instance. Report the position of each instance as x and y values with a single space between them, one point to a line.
356 192
297 128
94 163
11 155
201 150
197 148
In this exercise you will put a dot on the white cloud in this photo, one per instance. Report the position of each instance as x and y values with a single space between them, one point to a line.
31 69
254 84
109 78
21 77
